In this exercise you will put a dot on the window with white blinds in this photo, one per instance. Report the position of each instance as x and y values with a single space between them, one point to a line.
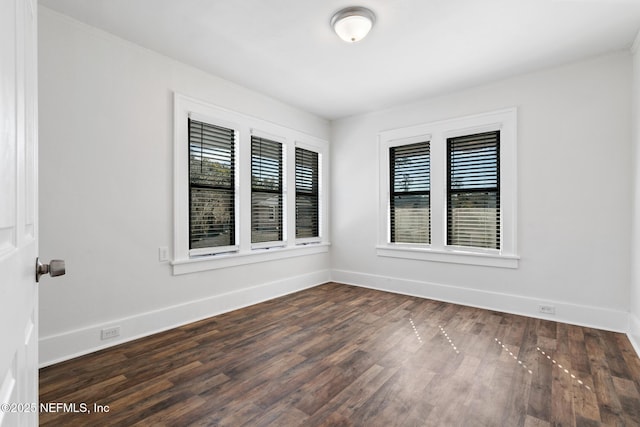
473 190
266 190
410 185
307 200
211 185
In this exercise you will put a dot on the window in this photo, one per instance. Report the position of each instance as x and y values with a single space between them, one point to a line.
266 190
410 217
473 190
231 175
448 191
211 186
307 200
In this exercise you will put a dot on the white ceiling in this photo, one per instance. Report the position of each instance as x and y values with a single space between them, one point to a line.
417 48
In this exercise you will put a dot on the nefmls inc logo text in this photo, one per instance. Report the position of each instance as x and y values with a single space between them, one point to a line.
72 407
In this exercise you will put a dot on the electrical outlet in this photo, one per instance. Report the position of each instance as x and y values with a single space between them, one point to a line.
163 254
110 333
547 309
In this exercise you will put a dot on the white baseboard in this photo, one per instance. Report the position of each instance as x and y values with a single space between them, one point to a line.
594 317
65 346
634 333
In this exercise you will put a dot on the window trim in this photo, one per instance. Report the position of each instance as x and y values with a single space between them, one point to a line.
438 132
244 252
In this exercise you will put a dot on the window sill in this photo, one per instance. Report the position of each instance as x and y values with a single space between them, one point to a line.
225 260
449 255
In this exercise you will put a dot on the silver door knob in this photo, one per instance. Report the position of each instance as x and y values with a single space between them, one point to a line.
54 268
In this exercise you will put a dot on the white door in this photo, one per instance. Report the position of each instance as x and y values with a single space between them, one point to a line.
18 213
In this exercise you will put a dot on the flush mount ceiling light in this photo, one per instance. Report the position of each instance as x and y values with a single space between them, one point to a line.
353 23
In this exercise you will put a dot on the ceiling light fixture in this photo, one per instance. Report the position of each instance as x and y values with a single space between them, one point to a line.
353 23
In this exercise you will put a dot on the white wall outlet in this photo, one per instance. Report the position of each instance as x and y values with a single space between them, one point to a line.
163 253
547 309
110 333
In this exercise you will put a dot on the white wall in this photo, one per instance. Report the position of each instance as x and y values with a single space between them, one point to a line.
106 195
634 318
574 209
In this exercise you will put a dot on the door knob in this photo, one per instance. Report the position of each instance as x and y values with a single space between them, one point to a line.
54 268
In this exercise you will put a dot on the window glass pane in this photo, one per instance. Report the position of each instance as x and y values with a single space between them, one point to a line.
211 218
211 186
410 193
473 195
266 190
411 218
307 209
266 217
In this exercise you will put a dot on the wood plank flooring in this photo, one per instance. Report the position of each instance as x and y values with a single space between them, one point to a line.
338 355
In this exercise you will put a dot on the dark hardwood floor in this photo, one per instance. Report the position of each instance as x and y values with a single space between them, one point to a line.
338 355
